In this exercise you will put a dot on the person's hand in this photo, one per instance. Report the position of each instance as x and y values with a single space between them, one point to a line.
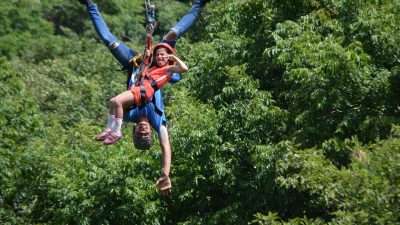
171 58
164 185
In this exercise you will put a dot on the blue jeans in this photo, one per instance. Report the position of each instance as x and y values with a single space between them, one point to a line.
122 52
188 19
185 22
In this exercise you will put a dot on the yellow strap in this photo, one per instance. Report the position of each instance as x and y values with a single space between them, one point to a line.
136 60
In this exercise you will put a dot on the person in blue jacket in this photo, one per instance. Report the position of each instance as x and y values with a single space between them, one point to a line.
152 114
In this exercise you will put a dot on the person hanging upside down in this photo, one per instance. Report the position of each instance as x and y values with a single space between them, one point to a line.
152 115
164 64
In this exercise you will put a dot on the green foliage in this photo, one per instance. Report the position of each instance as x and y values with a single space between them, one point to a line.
17 101
199 147
17 133
308 182
376 28
103 186
329 89
20 26
288 115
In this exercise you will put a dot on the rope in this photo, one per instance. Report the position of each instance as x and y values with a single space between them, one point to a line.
150 25
169 2
150 16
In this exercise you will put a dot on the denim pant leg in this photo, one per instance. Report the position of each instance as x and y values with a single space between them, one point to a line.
119 50
185 22
188 19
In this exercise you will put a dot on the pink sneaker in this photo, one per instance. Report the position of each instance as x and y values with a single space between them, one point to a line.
103 135
112 138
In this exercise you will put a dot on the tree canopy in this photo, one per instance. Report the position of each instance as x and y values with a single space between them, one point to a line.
289 114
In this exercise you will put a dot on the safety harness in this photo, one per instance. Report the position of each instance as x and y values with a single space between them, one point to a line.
139 72
140 61
155 76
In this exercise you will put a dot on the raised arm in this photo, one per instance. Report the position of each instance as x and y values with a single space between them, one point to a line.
178 67
164 183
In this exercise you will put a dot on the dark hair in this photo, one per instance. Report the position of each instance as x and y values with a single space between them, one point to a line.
140 142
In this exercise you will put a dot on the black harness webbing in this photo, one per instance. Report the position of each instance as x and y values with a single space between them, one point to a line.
143 94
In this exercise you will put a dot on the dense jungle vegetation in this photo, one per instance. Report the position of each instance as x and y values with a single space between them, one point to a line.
289 114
